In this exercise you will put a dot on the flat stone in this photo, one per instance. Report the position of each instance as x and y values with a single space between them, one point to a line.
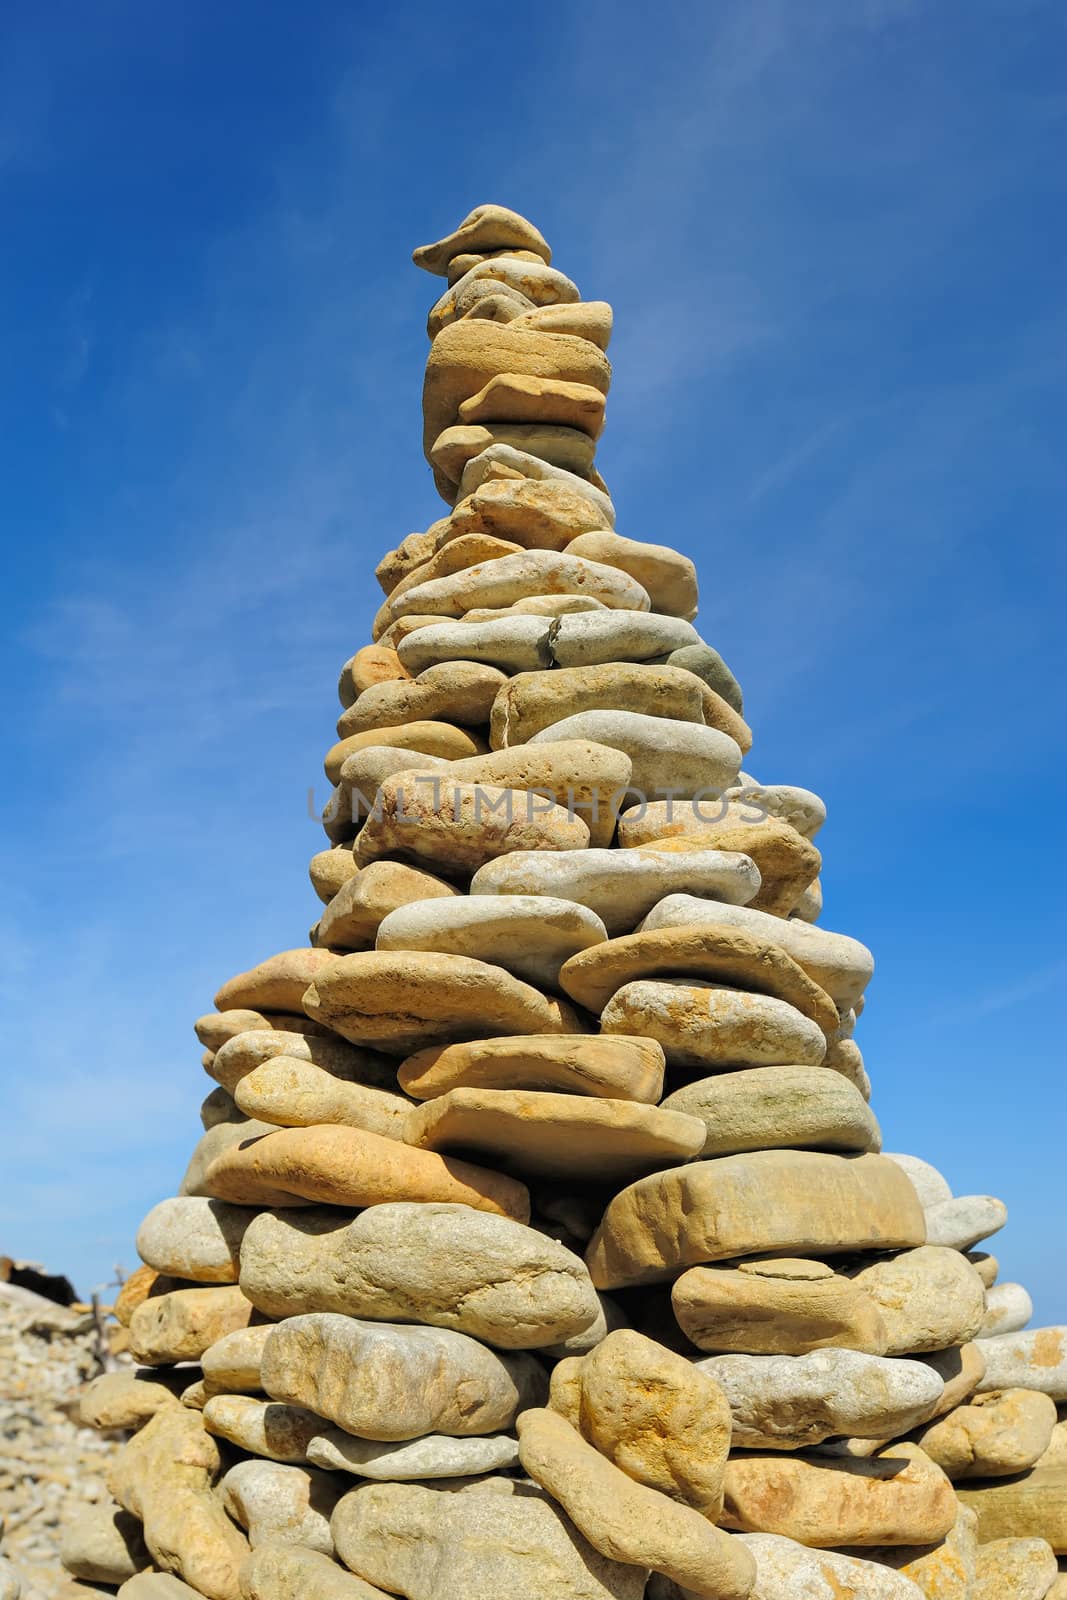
400 1001
1025 1569
531 282
1008 1308
572 448
589 319
381 1380
352 919
363 773
452 691
669 578
786 1570
776 1108
428 738
601 638
610 1068
124 1399
370 665
625 1520
898 1497
179 1326
292 1572
445 1265
1035 1359
554 1135
232 1364
962 1221
1032 1505
621 886
930 1298
278 1504
794 1402
276 984
510 398
801 808
533 701
244 1054
942 1571
529 935
298 1094
102 1544
538 515
435 1455
700 1024
769 1202
332 1165
190 1237
715 952
164 1476
997 1434
708 664
930 1185
510 578
838 964
458 827
783 1307
652 1413
214 1029
668 755
491 1540
263 1427
585 778
486 228
786 860
502 462
515 643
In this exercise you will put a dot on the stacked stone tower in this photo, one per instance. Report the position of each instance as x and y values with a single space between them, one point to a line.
539 1244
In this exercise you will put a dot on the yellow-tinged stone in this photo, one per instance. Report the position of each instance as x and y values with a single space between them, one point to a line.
409 553
448 557
589 319
715 1029
293 1572
181 1325
1030 1506
611 1068
783 1307
531 701
427 738
786 860
299 1094
670 578
371 665
537 514
582 776
1024 1569
569 448
276 984
330 870
510 579
353 916
509 397
460 692
483 231
994 1436
279 1432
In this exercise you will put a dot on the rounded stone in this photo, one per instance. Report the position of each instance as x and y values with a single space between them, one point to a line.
510 578
930 1298
668 755
534 701
599 638
781 1107
994 1436
194 1238
529 935
775 1307
669 577
514 644
299 1094
930 1185
786 1570
1008 1308
276 984
701 1025
612 1068
963 1221
1034 1359
435 1455
262 1427
278 1504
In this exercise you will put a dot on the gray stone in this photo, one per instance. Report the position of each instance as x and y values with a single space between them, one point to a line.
708 664
962 1221
103 1544
929 1184
786 1570
801 808
598 638
281 1505
529 935
1035 1359
194 1238
1008 1308
781 1107
514 644
435 1455
684 758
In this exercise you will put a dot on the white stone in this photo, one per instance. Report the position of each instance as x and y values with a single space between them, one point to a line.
529 935
1008 1308
1034 1359
927 1182
964 1220
786 1570
435 1455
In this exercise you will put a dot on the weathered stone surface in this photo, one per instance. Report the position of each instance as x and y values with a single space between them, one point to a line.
572 448
787 861
382 1380
435 1455
783 1307
486 228
942 1571
930 1298
794 1402
164 1476
452 691
103 1544
527 283
371 665
154 1586
621 886
492 1540
803 810
786 1570
445 1265
291 1572
353 917
626 1521
896 1498
516 643
263 1427
988 1269
529 935
191 1237
589 319
124 1399
1024 1569
330 870
666 754
141 1282
1032 1505
1036 1359
776 1201
298 1094
214 1028
930 1185
585 778
838 964
343 1061
542 515
962 1221
700 1024
510 398
409 554
961 1370
333 1165
510 578
531 702
400 1001
430 738
179 1326
653 1413
1008 1308
669 577
278 1504
232 1364
782 1107
997 1434
503 462
611 1068
276 984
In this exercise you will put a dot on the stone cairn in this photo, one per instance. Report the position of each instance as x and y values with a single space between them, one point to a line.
538 1246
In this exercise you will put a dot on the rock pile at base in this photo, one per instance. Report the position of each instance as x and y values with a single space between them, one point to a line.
540 1242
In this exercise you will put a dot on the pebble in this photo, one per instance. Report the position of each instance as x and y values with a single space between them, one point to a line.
434 1455
667 755
530 935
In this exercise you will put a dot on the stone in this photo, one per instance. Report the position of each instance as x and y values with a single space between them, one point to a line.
409 554
164 1476
141 1282
524 283
930 1298
452 691
218 1107
625 1520
786 1570
585 778
666 754
898 1497
458 827
445 1265
700 1024
532 701
154 1586
838 964
1036 1359
484 229
510 578
298 1094
539 515
529 935
276 984
179 1326
942 1571
987 1268
961 1370
352 919
191 1237
503 463
1025 1569
554 1135
787 861
930 1185
1008 1308
263 1427
1032 1505
232 1364
330 870
278 1504
794 1402
652 1413
103 1544
363 773
611 1068
513 643
963 1221
243 1055
620 886
214 1029
707 664
669 578
717 953
997 1434
589 319
602 638
124 1399
492 1540
783 1107
383 1380
292 1572
371 665
571 448
333 1165
802 809
400 1001
430 738
435 1455
509 398
217 1141
767 1202
775 1307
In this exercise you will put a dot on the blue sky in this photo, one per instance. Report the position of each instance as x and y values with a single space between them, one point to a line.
833 234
